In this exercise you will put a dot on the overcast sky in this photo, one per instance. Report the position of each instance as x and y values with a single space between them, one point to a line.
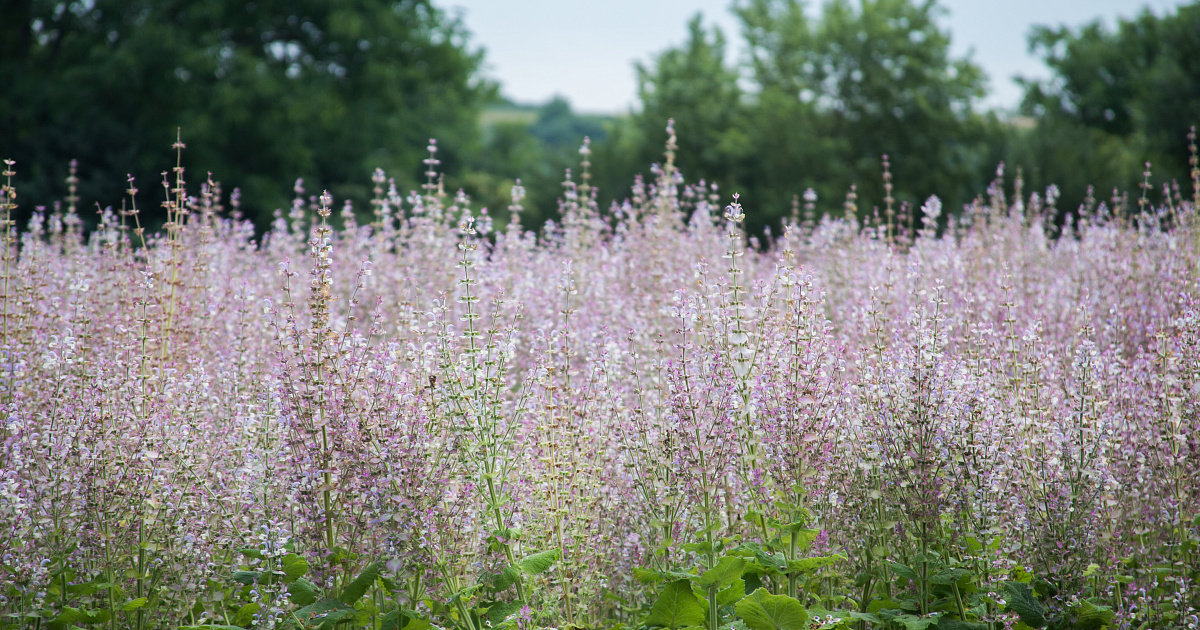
585 49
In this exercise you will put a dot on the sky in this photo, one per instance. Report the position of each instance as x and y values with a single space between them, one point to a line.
585 50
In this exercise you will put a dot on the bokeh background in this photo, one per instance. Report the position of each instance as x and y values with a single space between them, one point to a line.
770 98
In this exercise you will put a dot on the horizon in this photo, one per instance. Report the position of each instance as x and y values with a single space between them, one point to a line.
586 53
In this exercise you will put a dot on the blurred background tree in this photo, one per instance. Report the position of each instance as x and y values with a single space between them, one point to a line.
1117 99
264 91
818 102
268 91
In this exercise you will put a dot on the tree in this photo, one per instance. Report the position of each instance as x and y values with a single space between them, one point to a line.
825 98
1119 97
263 91
693 86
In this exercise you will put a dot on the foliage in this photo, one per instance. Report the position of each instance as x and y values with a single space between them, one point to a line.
263 92
424 420
1119 98
824 99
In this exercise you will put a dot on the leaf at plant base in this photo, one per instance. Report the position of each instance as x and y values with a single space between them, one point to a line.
870 618
1021 601
68 617
804 535
294 567
728 569
251 552
323 613
134 604
946 577
246 577
302 592
245 614
903 571
946 623
916 622
404 620
538 563
648 576
676 607
809 565
1093 617
506 578
356 589
733 594
764 611
499 611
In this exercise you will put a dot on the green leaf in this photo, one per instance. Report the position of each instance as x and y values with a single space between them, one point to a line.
728 569
916 622
324 613
764 611
804 535
246 577
946 623
733 594
1021 601
245 614
903 571
811 565
251 552
1093 617
676 607
356 589
302 592
946 577
538 563
294 567
506 578
134 604
500 611
404 620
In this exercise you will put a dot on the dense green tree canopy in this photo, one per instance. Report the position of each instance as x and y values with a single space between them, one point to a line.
823 100
1118 98
264 92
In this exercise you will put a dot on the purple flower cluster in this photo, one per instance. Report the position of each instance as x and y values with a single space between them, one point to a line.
425 391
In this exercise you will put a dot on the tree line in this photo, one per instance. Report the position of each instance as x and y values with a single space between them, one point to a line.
268 91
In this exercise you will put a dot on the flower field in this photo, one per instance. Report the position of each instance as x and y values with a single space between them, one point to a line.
638 418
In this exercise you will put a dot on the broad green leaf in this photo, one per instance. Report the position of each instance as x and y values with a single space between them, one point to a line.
1021 601
294 567
764 611
245 614
946 623
946 577
246 577
356 589
538 563
1093 617
903 571
404 620
733 594
251 552
804 535
323 613
499 611
810 565
916 622
302 592
676 607
134 604
506 578
728 569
